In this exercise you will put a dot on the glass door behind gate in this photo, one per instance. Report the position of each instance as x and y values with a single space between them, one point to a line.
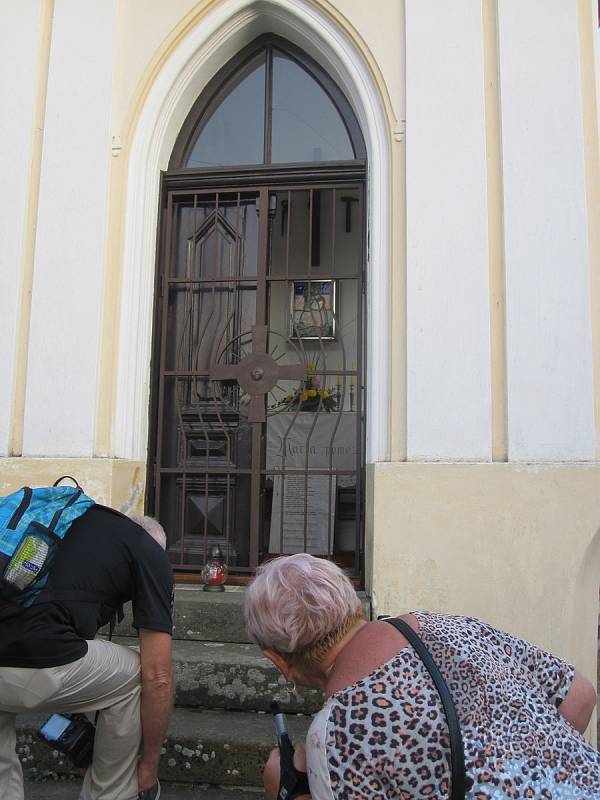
258 410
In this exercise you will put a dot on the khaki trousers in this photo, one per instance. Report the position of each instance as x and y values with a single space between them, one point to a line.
107 679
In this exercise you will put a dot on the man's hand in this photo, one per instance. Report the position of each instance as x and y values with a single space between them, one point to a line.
157 701
147 775
272 772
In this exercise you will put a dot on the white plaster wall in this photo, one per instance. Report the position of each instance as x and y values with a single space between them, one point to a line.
549 348
63 351
19 48
146 25
448 342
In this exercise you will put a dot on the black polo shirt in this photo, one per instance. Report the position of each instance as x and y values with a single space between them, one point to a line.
105 560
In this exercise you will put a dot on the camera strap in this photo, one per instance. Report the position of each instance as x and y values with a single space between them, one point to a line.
457 757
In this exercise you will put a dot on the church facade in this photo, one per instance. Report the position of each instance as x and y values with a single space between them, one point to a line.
316 275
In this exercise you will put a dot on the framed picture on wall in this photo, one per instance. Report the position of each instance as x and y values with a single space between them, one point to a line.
312 309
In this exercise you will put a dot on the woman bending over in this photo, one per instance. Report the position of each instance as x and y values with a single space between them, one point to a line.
382 732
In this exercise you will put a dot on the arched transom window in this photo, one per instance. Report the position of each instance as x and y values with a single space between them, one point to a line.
273 105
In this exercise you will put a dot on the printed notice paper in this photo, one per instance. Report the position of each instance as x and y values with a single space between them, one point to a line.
297 498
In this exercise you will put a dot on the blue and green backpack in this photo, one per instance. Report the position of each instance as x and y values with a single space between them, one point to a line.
33 523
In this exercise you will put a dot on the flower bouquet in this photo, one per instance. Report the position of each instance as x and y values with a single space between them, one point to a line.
310 396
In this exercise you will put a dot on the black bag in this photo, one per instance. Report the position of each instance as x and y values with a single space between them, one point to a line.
458 781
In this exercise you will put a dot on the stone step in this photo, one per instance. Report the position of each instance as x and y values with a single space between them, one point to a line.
232 676
201 616
205 747
207 616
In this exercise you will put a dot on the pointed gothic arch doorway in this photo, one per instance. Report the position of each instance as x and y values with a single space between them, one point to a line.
258 397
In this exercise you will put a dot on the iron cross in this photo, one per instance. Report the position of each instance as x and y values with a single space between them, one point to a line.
257 373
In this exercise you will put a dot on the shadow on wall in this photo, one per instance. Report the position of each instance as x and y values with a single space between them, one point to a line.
588 585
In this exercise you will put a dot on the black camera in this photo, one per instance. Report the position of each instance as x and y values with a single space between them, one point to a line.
71 734
292 782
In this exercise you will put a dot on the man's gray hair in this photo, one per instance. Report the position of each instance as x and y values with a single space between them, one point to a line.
153 527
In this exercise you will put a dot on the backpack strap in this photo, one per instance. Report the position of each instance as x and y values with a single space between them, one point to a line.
457 757
23 505
66 478
73 499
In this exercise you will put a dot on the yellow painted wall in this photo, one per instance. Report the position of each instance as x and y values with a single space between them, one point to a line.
515 545
116 483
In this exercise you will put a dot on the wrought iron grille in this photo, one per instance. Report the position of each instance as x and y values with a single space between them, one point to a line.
258 402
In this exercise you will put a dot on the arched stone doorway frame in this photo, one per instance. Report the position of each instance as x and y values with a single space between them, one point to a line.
200 54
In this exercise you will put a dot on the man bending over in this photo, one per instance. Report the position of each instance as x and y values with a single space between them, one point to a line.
51 662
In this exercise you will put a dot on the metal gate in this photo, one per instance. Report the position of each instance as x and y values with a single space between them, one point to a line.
257 412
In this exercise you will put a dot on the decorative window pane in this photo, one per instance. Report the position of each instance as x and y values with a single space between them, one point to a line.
234 133
306 124
273 103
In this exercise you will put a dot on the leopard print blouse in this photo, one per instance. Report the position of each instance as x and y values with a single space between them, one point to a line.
386 736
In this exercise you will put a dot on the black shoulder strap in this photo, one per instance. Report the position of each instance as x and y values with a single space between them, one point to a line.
457 757
72 500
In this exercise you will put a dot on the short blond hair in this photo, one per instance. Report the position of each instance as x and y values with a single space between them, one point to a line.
299 606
